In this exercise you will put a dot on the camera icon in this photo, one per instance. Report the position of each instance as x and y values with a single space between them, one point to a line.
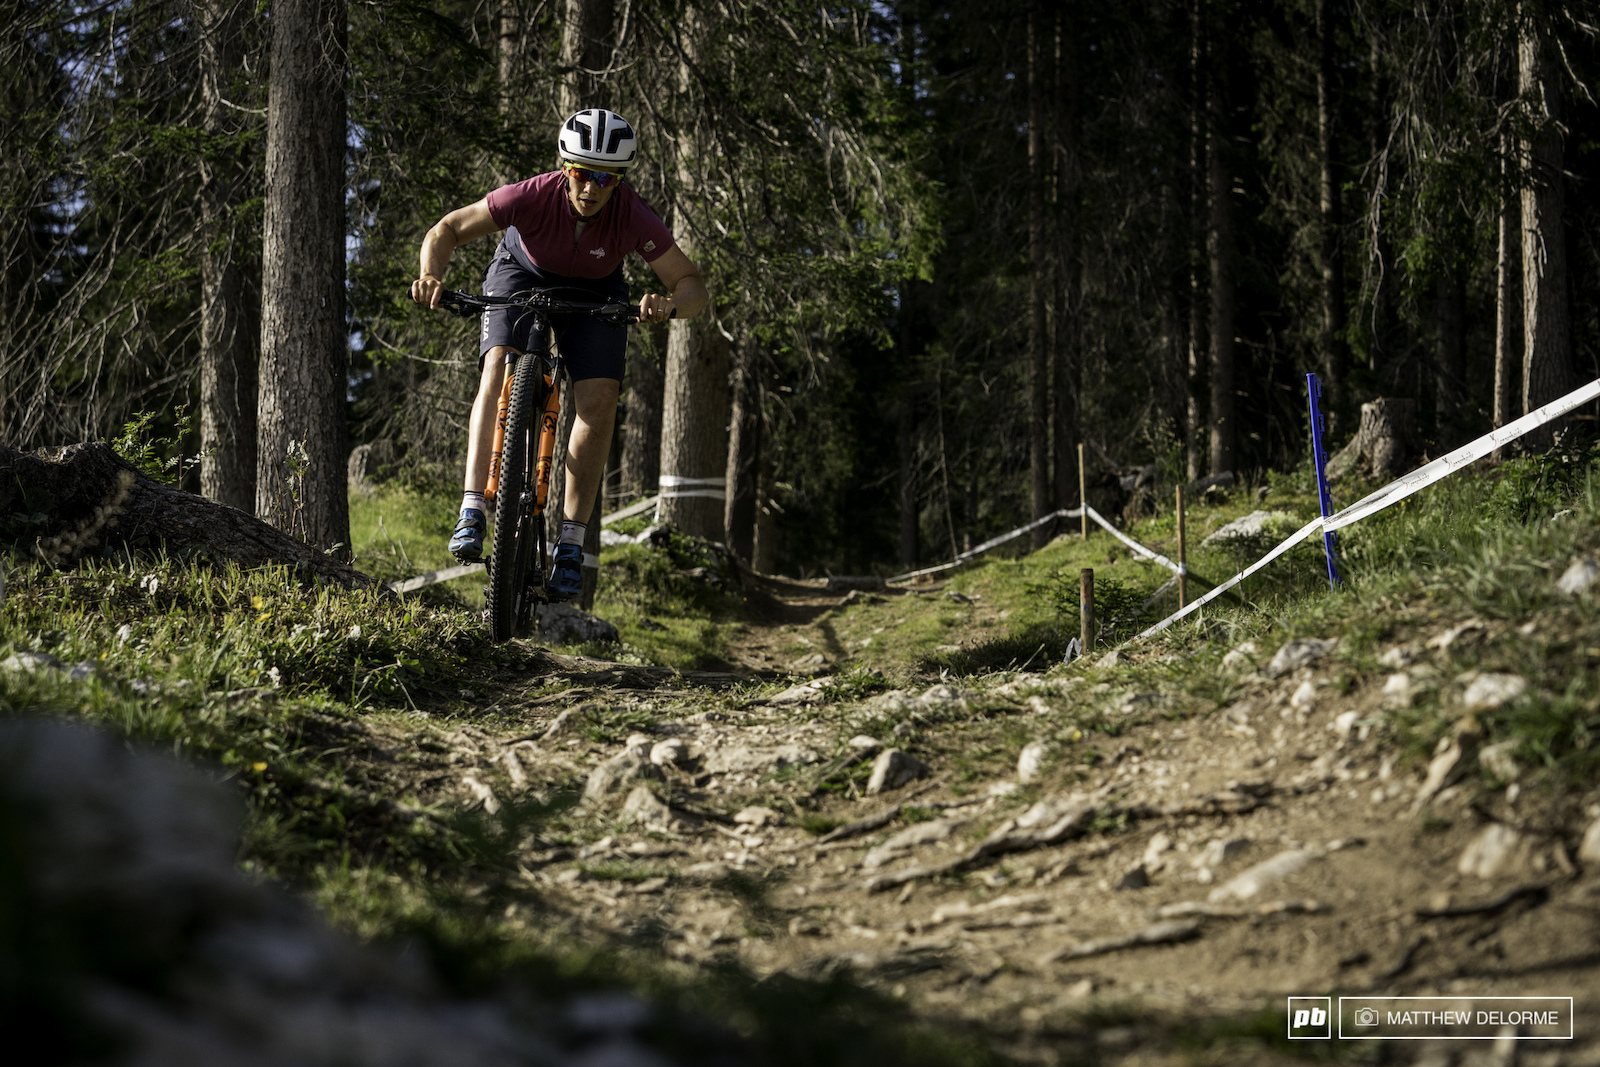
1366 1017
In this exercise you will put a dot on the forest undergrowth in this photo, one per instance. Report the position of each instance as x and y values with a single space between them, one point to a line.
312 702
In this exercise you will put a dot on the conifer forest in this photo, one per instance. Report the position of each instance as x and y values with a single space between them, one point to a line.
947 244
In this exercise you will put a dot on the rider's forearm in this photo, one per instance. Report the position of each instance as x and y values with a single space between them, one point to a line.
689 296
437 246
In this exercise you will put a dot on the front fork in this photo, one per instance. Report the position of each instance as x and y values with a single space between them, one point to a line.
548 420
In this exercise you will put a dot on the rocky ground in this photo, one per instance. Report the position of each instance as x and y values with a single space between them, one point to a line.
1083 866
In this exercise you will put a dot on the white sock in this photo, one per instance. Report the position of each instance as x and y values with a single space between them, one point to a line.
473 500
572 532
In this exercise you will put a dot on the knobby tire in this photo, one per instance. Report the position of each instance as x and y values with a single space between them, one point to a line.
510 559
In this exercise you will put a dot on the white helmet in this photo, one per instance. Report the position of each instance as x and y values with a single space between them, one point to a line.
599 138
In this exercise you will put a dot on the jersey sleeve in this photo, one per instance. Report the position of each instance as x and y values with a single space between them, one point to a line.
504 201
653 237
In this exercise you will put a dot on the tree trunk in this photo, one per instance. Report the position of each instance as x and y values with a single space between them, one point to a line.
1506 376
1383 445
585 52
1194 245
227 347
641 429
97 503
1065 431
744 456
694 428
1219 251
905 415
1335 354
1547 371
1038 357
1449 365
300 473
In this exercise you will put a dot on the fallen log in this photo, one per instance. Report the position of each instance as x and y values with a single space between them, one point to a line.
63 504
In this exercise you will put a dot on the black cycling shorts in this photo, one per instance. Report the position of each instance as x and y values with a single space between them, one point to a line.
589 347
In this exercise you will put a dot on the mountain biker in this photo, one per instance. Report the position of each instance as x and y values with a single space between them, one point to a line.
569 227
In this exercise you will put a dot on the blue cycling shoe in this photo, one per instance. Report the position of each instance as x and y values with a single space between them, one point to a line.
466 544
566 573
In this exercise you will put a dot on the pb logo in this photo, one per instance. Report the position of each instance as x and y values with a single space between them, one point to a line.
1309 1018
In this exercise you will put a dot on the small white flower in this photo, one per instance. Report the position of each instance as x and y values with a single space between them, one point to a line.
124 634
275 676
355 632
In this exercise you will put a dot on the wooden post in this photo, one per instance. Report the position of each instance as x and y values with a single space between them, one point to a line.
1083 494
1183 556
1086 609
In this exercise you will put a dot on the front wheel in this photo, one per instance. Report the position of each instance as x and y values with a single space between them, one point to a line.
514 535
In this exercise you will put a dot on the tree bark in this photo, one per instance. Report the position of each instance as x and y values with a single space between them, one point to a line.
1449 361
1064 431
641 429
227 347
585 51
1038 357
744 456
1384 443
1547 371
1335 353
1219 252
95 504
694 428
1506 371
301 403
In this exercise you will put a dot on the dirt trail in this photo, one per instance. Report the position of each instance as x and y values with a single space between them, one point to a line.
1096 908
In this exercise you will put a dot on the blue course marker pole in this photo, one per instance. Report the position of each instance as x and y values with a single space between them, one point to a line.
1319 463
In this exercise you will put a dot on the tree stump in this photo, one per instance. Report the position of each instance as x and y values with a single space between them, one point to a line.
1385 443
65 503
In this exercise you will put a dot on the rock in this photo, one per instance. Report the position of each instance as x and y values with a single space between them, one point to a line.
757 816
481 794
906 840
804 693
1490 691
1498 850
1304 696
30 661
1252 880
1030 761
1440 769
1241 658
672 752
1254 524
1155 853
737 759
892 769
1047 811
1589 848
1135 878
1397 691
1114 658
1469 630
864 747
1220 851
1499 760
1398 657
568 722
1579 577
1299 653
944 696
563 624
644 807
1343 724
612 774
638 746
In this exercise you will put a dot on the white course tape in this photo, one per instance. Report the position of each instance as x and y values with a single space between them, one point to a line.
673 481
1401 488
993 542
1425 476
1152 556
676 487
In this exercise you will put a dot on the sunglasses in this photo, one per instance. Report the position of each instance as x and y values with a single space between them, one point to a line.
601 178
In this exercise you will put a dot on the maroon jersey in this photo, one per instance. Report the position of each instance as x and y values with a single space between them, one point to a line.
541 229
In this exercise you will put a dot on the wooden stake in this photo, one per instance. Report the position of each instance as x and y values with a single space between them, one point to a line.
1183 556
1086 609
1083 494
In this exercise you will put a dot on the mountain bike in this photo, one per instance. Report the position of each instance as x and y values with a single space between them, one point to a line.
525 425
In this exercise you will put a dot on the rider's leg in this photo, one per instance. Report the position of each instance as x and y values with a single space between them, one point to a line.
467 540
595 400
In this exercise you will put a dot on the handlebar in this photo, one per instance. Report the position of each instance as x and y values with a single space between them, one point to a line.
468 305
